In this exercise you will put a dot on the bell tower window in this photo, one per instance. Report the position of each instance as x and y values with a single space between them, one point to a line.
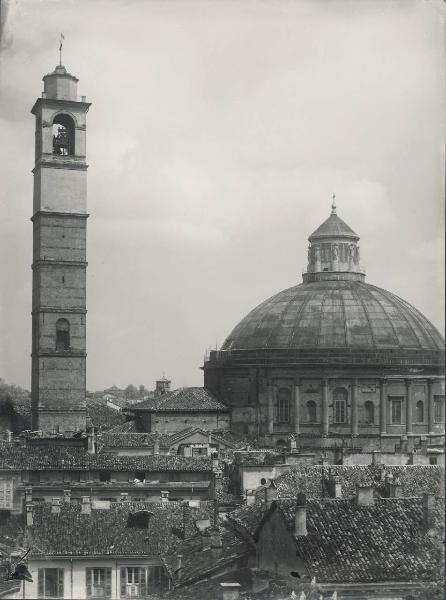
63 135
62 334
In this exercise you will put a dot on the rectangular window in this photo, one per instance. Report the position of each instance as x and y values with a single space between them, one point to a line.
339 413
438 409
396 411
50 583
138 582
199 451
98 582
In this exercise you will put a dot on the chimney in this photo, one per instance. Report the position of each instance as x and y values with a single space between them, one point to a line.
215 464
206 540
428 511
250 497
293 443
28 495
394 487
29 515
230 591
336 487
67 495
156 446
216 543
364 495
86 505
91 438
123 497
9 436
164 497
55 506
300 515
179 571
270 493
209 438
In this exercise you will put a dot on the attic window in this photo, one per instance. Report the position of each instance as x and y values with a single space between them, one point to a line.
139 519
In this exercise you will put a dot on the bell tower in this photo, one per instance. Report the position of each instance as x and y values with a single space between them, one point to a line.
58 381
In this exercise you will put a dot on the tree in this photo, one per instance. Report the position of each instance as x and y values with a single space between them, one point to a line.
131 392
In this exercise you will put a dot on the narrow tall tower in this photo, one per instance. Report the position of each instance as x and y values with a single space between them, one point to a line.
59 257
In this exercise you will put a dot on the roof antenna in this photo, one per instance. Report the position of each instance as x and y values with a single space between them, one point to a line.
333 205
62 37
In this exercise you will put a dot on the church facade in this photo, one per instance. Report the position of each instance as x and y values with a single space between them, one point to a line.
58 382
333 361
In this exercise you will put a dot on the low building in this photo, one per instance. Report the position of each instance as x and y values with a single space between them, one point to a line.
105 550
52 470
185 407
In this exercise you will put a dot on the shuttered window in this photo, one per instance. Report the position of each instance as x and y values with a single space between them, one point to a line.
6 494
98 582
50 583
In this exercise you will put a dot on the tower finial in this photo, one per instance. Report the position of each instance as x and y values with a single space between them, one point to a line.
333 205
62 37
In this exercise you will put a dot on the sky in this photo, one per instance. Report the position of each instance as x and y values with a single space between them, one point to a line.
217 134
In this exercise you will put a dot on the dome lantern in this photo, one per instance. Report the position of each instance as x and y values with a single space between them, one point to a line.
333 252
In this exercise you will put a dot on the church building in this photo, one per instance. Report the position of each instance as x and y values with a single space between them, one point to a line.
333 359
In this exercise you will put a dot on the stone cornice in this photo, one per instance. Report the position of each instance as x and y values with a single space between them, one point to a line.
47 213
54 103
59 353
59 263
54 163
52 309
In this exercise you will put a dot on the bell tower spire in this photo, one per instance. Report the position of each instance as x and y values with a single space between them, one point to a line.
58 382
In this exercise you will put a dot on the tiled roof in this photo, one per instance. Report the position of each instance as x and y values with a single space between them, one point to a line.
115 439
350 543
105 531
256 457
248 517
102 416
333 227
15 457
182 400
198 563
415 479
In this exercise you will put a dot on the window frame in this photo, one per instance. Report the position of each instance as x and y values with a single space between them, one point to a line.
42 584
369 409
394 402
283 405
438 408
106 573
340 398
419 405
311 406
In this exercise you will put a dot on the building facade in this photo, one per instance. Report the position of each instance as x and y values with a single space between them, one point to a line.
59 256
332 359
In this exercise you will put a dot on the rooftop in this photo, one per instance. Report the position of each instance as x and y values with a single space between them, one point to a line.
185 399
106 531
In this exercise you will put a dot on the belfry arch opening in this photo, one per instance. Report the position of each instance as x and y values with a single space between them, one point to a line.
62 334
63 135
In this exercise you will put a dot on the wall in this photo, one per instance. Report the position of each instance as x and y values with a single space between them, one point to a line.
169 422
75 574
276 550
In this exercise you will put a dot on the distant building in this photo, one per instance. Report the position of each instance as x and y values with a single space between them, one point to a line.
180 409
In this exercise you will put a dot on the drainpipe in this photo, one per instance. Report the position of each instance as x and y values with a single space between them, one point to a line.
71 578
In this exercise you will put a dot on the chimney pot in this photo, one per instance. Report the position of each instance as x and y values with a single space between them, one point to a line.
300 515
230 591
270 493
67 495
164 497
86 505
428 510
91 441
28 494
364 495
29 515
55 506
156 446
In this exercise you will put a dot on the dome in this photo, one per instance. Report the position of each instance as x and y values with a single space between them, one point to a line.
334 314
333 227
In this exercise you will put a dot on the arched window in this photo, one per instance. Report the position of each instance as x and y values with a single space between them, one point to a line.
369 409
63 135
283 405
420 412
311 411
62 335
281 444
340 405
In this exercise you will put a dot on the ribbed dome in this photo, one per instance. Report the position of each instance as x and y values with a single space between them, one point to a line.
334 314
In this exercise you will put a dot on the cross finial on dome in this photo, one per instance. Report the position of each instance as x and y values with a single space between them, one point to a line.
333 205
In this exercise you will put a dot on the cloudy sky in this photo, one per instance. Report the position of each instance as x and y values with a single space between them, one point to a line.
217 134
